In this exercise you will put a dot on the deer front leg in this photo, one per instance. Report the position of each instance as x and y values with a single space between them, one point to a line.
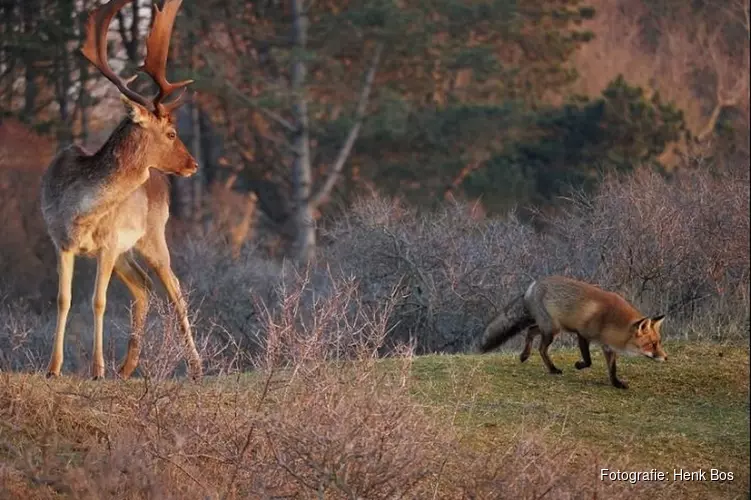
105 264
172 285
65 264
154 250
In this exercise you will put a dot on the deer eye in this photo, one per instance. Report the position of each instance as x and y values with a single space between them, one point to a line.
171 135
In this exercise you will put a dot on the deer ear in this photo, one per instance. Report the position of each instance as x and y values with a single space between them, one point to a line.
136 112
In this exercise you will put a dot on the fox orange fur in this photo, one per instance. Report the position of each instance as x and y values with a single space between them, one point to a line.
556 303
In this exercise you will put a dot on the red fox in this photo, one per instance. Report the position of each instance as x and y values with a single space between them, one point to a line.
557 303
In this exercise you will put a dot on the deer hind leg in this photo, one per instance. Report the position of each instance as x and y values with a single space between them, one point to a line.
139 284
105 265
65 264
154 250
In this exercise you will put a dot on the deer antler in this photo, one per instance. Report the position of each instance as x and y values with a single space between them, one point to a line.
157 48
95 47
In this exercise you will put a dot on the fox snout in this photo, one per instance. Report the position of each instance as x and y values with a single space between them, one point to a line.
661 357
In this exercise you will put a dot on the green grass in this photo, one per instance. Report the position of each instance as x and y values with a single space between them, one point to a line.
691 412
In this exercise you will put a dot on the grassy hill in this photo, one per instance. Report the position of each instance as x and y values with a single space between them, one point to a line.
689 413
435 426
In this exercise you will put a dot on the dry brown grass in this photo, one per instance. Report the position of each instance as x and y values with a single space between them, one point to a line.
341 434
316 420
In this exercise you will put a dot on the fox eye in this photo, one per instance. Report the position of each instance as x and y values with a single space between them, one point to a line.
171 135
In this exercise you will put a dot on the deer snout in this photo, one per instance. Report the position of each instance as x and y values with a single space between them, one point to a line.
191 167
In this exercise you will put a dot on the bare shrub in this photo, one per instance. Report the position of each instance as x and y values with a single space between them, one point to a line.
452 271
22 336
333 326
163 350
231 295
678 246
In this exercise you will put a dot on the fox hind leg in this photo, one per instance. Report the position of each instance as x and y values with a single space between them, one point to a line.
548 329
532 332
545 340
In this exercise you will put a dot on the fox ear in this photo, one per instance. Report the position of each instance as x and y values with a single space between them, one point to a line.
639 325
657 321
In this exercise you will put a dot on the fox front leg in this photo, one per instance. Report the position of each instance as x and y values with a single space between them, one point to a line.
610 359
586 360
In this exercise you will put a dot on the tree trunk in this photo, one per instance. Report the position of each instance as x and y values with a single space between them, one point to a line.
304 240
132 39
83 77
336 169
29 57
63 78
9 57
181 206
196 143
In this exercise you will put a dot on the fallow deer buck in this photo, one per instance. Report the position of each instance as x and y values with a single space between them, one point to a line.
106 204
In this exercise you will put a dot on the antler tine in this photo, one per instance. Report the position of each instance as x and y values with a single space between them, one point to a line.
175 103
95 47
157 48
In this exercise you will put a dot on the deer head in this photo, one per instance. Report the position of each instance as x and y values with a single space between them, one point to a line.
163 148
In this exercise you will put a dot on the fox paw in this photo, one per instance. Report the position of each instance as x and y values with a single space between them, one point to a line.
618 384
580 365
556 371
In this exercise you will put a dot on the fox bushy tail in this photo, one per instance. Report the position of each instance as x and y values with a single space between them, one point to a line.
510 322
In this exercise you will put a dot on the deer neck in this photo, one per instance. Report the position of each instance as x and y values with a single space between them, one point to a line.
120 166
